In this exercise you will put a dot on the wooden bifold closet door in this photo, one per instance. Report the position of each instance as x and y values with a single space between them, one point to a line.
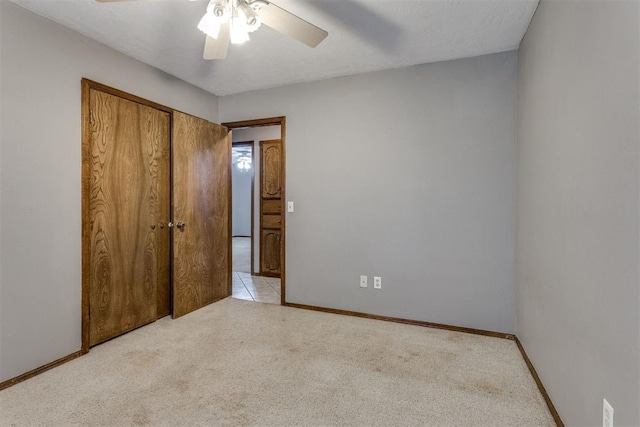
156 213
129 195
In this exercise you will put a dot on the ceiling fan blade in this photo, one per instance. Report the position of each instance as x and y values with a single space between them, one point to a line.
291 25
217 48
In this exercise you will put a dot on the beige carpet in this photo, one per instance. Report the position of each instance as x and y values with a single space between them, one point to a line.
241 363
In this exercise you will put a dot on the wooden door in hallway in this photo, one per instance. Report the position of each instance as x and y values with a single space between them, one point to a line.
128 181
271 188
202 213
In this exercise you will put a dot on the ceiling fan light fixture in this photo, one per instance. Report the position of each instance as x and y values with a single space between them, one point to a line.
238 34
214 17
210 25
256 4
244 163
238 30
231 21
249 16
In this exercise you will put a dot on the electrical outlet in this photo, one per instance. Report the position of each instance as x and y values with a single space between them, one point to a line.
607 414
363 281
377 282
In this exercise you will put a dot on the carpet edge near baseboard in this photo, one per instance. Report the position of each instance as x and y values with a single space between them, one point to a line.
39 370
453 328
538 381
512 337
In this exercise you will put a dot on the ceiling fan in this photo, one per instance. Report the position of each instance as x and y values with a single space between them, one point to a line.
231 21
242 160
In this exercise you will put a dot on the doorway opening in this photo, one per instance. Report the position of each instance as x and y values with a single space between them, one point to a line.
258 209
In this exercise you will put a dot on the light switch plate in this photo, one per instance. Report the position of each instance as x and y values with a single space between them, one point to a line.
363 281
289 206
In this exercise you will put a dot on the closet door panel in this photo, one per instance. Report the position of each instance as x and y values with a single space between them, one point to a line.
126 192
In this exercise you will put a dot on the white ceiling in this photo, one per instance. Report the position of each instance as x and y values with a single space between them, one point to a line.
364 35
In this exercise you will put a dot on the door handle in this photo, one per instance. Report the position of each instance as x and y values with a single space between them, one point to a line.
170 224
181 225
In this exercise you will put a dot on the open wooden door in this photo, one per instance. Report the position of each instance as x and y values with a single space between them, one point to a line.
202 213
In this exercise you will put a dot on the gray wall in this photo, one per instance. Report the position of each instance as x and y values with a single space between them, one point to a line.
256 134
241 201
578 200
40 257
406 174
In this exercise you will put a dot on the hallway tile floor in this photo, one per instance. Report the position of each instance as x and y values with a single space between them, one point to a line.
256 288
